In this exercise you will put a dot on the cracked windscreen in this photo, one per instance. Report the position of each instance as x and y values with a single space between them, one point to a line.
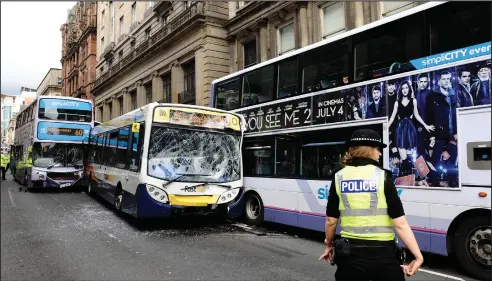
212 157
45 155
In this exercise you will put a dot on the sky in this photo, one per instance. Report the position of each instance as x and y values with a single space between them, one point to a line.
30 42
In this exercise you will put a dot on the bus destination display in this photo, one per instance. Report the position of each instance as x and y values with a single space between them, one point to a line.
64 131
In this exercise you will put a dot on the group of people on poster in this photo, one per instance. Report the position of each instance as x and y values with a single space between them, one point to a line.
421 113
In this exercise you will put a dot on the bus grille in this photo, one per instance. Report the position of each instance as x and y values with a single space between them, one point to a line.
63 176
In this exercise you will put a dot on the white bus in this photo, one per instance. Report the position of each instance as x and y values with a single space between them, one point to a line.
421 78
164 159
48 142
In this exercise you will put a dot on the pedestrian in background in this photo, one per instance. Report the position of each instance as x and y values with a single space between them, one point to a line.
365 199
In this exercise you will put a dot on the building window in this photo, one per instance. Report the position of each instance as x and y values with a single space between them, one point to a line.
134 12
286 40
166 79
103 19
133 100
333 19
147 33
250 53
392 7
239 4
120 102
110 107
120 55
148 93
122 19
189 76
188 96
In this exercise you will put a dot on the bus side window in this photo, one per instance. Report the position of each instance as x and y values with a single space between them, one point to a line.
122 155
112 150
136 151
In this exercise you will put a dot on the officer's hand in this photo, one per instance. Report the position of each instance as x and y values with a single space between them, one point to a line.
327 255
412 268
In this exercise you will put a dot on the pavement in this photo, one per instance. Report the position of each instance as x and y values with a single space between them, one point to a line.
66 234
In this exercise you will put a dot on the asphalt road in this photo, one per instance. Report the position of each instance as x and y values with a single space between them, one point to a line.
70 235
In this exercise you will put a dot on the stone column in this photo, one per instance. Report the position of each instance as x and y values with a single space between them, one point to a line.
140 94
200 78
157 87
303 23
262 23
177 81
106 116
115 107
126 100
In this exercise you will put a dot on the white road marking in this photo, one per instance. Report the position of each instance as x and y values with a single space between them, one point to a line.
441 274
241 225
11 197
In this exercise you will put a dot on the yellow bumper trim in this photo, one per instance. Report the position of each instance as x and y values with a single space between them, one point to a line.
192 200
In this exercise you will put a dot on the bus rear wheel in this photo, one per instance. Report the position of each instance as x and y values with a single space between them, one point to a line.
253 209
473 248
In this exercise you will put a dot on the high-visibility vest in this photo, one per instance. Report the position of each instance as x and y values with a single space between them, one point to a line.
363 208
4 161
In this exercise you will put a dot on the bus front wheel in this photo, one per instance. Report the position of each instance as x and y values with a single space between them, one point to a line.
253 209
472 246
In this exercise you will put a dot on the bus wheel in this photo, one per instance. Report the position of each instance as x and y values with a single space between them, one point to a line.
118 199
253 209
472 247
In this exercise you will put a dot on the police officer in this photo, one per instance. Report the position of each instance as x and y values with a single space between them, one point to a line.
365 199
4 162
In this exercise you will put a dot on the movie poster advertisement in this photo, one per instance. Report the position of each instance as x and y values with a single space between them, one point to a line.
422 122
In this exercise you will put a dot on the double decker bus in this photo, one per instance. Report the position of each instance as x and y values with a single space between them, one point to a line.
421 78
48 142
161 160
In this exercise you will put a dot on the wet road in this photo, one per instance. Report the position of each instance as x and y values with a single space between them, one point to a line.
69 235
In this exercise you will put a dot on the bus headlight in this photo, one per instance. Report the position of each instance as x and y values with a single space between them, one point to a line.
228 196
157 194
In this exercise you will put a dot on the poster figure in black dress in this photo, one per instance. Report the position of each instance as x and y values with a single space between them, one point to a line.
405 108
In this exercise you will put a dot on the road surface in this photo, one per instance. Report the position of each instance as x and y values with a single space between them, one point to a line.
70 235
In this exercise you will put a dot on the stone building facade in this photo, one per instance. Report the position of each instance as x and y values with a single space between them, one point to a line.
79 50
51 84
158 51
261 30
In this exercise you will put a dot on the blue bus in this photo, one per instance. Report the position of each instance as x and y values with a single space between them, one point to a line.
48 142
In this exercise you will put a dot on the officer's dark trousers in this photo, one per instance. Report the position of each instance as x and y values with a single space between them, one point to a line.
370 260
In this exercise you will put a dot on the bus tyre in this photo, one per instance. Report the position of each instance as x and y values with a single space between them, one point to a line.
472 246
253 209
118 200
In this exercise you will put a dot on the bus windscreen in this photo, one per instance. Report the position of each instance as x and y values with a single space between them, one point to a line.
66 110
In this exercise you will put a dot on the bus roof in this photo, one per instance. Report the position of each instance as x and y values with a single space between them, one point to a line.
354 31
139 114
